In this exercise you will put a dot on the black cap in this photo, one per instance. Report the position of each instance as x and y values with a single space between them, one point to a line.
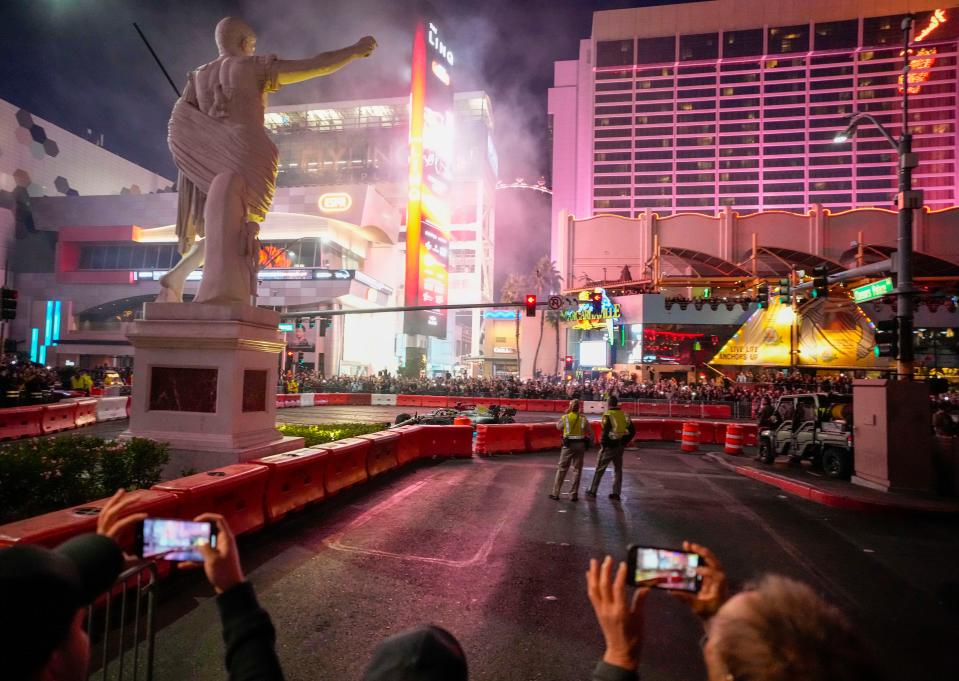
41 591
426 653
613 401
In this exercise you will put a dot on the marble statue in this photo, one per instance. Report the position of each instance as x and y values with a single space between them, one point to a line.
227 163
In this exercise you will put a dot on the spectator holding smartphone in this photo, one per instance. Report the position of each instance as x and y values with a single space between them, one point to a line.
777 629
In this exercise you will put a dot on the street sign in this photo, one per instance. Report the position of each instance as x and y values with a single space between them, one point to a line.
555 302
876 289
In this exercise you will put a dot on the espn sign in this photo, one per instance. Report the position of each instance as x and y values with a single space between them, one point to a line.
337 202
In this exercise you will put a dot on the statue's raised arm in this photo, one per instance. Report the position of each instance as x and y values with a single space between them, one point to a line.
291 71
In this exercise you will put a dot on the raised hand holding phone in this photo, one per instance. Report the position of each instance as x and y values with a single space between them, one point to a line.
221 562
714 590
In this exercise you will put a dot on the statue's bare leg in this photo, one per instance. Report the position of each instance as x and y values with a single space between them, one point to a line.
229 240
172 282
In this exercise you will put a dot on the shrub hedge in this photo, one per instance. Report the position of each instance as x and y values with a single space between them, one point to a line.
39 476
328 432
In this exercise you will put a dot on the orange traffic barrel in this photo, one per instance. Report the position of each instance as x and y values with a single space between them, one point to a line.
734 439
462 421
690 439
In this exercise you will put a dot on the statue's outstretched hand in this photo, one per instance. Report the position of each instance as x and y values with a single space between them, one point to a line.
364 46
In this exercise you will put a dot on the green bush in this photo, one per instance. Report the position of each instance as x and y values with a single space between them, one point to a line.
328 432
39 476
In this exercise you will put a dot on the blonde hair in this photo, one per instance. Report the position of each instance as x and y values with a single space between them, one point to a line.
786 632
573 406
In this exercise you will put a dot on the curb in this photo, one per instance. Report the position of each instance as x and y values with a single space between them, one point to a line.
818 496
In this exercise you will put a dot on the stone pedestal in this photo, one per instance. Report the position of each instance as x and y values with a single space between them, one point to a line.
205 381
892 435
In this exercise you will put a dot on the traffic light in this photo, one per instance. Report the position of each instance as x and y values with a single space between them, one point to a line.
785 291
299 358
569 361
8 304
289 355
887 338
596 300
762 296
312 322
820 282
325 323
530 305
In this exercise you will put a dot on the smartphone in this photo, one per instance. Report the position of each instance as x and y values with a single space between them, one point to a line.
675 569
174 540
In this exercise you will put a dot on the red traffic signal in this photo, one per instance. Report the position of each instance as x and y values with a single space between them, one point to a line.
569 361
530 305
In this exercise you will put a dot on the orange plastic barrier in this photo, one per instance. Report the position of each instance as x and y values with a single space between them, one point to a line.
648 429
329 399
86 413
690 441
734 439
236 492
409 401
500 438
462 421
382 454
432 401
346 463
447 441
296 479
51 529
672 430
57 417
542 436
18 422
410 446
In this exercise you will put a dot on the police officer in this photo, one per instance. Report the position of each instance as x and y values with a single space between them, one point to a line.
576 436
618 430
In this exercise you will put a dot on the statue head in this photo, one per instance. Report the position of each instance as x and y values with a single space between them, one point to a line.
235 38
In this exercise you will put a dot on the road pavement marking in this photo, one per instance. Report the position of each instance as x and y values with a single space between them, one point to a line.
335 541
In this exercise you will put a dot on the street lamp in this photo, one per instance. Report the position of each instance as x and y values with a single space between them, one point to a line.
908 200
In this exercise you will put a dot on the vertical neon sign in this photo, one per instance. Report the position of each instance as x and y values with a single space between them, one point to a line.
925 57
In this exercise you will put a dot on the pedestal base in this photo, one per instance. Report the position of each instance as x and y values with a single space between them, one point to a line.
205 380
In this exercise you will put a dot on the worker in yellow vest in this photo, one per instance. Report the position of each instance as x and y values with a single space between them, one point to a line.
618 430
576 437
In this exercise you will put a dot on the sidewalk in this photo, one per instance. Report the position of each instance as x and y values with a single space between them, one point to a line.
814 486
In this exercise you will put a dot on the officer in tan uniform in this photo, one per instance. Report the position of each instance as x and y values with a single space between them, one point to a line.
576 437
618 430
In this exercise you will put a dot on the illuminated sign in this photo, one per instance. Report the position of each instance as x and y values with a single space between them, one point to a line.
925 57
502 350
584 318
337 202
285 326
430 178
876 289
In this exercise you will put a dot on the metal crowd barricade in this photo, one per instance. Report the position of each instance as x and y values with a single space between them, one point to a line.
122 627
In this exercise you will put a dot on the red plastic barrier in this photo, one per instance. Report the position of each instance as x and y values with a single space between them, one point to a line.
52 529
236 492
329 399
57 417
540 405
433 401
296 479
560 406
409 401
18 422
648 429
597 425
706 432
447 441
719 432
346 463
718 411
382 454
672 430
410 446
359 399
750 434
284 400
500 439
541 436
86 413
518 405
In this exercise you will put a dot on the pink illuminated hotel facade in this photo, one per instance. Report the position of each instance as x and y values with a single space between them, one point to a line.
730 107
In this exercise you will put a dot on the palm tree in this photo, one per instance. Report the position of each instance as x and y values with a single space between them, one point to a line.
513 292
546 281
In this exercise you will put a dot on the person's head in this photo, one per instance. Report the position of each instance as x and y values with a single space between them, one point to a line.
234 38
613 402
573 407
43 596
426 653
781 630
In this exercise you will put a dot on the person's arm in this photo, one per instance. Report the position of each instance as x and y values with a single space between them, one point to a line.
607 426
620 619
291 71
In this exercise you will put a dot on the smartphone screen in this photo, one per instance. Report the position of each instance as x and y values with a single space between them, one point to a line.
174 539
675 569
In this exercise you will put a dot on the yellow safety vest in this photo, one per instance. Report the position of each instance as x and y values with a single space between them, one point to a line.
573 426
618 423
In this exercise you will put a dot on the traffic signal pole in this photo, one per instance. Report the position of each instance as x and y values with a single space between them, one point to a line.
908 201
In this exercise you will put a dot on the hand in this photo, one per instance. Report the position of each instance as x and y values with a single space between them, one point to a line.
621 622
364 46
221 563
714 590
114 519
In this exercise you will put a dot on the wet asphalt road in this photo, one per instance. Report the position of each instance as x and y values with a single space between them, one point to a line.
477 547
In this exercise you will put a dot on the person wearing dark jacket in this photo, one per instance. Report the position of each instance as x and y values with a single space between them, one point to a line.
618 430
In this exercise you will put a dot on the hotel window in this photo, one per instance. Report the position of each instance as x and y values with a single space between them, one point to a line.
656 50
743 43
786 39
882 30
699 47
614 53
836 35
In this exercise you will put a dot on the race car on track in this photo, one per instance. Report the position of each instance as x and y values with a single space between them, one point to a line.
444 417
